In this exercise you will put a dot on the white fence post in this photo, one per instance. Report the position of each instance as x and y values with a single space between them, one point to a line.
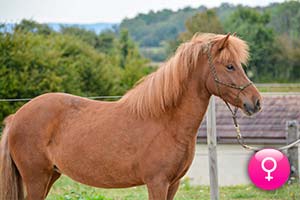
212 149
292 153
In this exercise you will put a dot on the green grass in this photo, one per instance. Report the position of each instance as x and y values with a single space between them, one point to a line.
66 189
279 88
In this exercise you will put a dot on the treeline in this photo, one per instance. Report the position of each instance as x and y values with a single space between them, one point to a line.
34 59
272 32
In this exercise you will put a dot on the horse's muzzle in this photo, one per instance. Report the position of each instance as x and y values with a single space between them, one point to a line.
252 108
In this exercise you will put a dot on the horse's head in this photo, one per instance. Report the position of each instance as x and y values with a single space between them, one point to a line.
226 78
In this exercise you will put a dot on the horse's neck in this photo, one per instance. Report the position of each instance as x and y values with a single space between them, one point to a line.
188 115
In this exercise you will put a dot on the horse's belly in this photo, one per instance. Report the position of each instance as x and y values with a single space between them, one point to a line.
107 181
99 176
98 167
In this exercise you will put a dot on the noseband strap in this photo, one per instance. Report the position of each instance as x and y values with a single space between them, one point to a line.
218 82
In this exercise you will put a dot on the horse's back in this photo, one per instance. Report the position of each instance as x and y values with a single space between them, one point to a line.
35 124
44 110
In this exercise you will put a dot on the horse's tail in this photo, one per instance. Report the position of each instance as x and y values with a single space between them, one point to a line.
11 185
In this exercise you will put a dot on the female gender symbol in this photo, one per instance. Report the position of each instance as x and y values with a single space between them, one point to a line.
269 177
268 161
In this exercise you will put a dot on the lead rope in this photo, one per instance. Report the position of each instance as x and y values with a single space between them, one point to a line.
239 136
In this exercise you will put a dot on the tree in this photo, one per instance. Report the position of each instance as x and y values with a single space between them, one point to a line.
285 18
75 61
87 36
34 27
252 26
32 64
132 66
106 42
154 28
205 22
288 59
126 45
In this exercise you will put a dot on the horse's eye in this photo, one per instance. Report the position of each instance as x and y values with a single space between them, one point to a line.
230 67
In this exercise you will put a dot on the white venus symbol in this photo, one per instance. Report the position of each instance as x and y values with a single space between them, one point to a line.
269 177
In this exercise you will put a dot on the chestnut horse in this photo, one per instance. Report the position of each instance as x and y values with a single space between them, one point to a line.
148 137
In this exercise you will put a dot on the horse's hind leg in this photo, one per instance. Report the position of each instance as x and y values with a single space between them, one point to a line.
54 177
37 185
35 169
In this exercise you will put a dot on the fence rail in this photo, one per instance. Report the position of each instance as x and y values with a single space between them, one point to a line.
277 84
267 85
28 99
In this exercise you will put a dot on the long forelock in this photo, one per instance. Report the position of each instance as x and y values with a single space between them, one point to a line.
235 49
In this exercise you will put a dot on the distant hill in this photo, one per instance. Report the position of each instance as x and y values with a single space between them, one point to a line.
96 27
153 28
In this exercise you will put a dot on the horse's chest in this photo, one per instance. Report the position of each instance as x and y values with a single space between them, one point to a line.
185 159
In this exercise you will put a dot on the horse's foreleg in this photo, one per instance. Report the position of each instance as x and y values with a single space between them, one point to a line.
172 190
158 190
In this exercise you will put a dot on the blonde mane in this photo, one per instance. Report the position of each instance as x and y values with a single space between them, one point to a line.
162 90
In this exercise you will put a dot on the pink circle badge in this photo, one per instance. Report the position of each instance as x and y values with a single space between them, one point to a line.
269 169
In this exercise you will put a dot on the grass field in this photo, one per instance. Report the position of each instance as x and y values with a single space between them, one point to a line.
66 189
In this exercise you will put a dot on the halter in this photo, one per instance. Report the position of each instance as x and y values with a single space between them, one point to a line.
218 82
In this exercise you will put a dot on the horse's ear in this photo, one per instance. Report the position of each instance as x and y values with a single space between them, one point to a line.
223 42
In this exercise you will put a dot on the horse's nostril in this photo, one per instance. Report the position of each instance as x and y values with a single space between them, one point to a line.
257 104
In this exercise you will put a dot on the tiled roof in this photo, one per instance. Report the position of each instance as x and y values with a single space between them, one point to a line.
268 126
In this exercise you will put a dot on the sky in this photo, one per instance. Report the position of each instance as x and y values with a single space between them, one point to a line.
91 11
